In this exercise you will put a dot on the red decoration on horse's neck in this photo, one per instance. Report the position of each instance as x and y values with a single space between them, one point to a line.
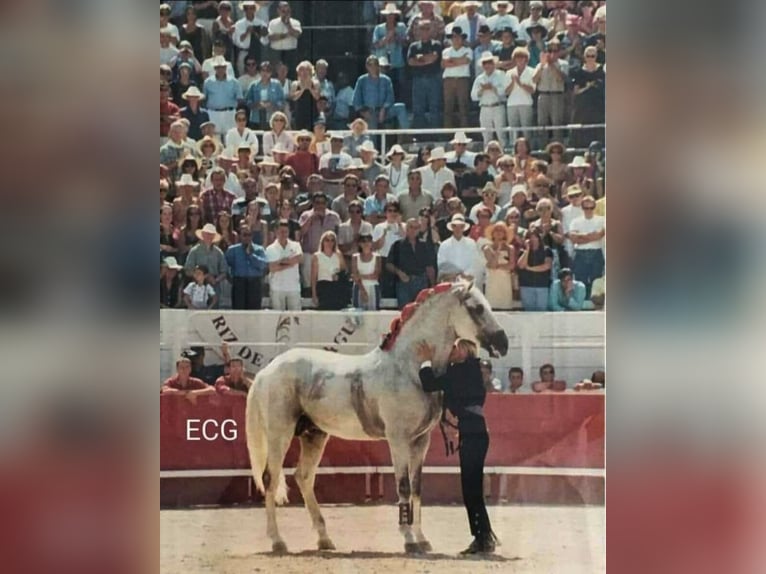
389 339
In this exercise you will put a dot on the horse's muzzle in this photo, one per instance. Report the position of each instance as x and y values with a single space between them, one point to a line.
496 344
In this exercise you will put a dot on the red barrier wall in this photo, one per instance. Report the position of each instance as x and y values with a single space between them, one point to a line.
550 430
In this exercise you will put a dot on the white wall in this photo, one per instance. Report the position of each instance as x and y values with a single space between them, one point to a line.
573 342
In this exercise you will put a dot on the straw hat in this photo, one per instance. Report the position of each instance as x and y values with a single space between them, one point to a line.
458 219
488 57
460 138
437 153
502 3
395 149
578 161
574 190
368 146
193 92
268 160
208 228
187 179
209 140
171 263
390 8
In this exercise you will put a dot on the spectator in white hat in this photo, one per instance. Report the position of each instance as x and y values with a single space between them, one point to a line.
222 94
240 134
436 173
489 91
458 256
193 112
219 51
388 41
459 155
535 17
502 18
470 21
250 33
207 253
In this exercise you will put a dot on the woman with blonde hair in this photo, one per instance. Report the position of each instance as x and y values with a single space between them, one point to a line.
500 264
357 137
320 141
278 134
304 93
505 178
327 289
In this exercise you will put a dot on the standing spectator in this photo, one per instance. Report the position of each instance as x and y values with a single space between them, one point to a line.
287 213
589 98
572 42
186 57
374 98
284 257
303 162
210 256
388 40
286 84
247 263
250 76
551 77
501 262
436 173
426 14
196 35
428 233
505 52
397 169
356 138
165 22
515 380
333 164
168 51
548 380
566 294
535 272
488 202
223 94
198 294
491 383
241 134
535 19
169 112
375 204
183 383
486 44
249 34
416 197
284 32
365 271
216 198
578 176
489 91
235 383
571 212
182 83
193 112
171 284
423 58
277 135
314 223
222 29
219 51
520 88
587 234
341 204
410 261
552 232
264 98
328 287
456 62
326 87
503 18
384 235
471 21
458 255
304 93
454 206
349 231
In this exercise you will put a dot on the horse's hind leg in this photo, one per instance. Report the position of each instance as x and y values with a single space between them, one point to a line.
312 446
273 478
417 458
400 456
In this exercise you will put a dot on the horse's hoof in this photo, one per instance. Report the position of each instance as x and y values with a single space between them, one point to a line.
326 544
413 548
425 546
279 547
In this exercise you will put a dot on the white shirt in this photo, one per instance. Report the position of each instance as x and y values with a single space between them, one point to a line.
395 233
322 148
240 27
433 182
568 215
246 79
397 178
168 55
465 25
344 160
463 71
585 225
467 159
473 214
459 256
488 97
233 139
199 294
498 22
286 280
173 31
519 96
276 26
270 141
209 69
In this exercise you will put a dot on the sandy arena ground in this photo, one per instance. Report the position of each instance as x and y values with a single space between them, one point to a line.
535 539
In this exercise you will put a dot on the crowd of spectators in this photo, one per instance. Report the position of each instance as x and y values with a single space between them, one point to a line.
271 185
547 383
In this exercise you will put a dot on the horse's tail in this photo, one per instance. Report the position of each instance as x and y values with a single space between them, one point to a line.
257 443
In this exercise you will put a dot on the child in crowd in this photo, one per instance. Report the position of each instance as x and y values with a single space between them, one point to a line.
198 294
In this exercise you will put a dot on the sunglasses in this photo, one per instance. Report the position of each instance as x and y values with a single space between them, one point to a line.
279 120
575 195
355 211
589 208
590 56
349 185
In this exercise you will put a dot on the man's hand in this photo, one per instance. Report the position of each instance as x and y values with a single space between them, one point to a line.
382 115
424 351
403 277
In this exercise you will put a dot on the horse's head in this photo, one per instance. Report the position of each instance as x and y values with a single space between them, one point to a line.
473 319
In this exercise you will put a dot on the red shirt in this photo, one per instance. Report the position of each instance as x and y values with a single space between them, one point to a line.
225 381
193 384
168 114
304 163
212 202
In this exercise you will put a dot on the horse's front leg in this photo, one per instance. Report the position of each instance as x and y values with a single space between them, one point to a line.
400 455
418 450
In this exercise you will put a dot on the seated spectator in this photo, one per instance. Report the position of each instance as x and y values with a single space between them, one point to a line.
599 377
332 165
474 181
326 87
384 235
247 263
209 149
416 197
557 168
454 206
186 236
495 151
534 270
241 134
410 261
519 201
501 261
429 234
548 381
460 159
175 149
458 255
278 134
171 284
506 179
303 162
491 383
288 186
356 138
397 169
566 294
587 234
182 84
284 257
577 176
515 380
552 232
168 244
350 194
328 284
168 52
198 294
488 202
350 230
372 168
320 141
375 204
184 384
366 269
374 98
235 383
436 173
448 191
216 198
598 293
482 223
194 112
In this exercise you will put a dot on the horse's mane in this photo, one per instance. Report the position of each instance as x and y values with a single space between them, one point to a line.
408 312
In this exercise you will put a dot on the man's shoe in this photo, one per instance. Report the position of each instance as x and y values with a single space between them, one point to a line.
487 546
473 548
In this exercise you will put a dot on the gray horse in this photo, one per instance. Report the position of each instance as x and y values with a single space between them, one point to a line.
376 396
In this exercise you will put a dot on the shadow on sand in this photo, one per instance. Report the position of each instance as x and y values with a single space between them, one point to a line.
375 555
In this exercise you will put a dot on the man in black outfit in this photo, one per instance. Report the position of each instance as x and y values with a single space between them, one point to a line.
411 262
464 396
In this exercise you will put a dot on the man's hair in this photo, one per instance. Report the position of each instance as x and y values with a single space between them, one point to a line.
202 268
564 273
182 360
351 176
480 157
542 165
547 366
283 223
518 370
394 203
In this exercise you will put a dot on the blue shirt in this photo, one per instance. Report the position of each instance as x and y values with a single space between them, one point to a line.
374 93
243 265
343 100
393 52
558 302
374 206
273 92
221 94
